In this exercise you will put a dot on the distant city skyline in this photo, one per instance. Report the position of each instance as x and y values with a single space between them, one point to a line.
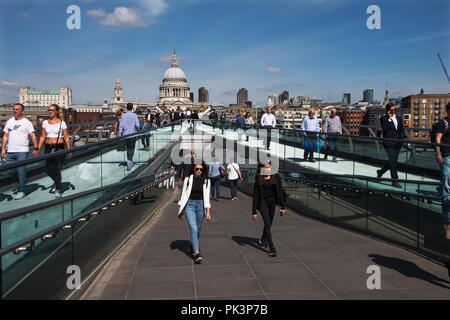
325 53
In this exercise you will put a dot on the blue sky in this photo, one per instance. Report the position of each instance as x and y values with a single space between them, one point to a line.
317 48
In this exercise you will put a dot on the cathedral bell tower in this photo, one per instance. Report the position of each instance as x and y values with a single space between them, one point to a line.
118 96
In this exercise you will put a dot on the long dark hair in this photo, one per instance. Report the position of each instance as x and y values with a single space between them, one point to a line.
259 178
204 175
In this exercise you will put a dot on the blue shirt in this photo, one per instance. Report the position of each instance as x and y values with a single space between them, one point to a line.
129 124
146 127
309 124
240 121
214 169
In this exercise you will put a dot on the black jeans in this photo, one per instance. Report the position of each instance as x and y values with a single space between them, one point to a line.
54 166
145 141
233 187
267 212
269 135
392 152
131 144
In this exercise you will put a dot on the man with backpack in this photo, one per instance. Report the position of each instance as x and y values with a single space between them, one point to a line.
440 134
216 173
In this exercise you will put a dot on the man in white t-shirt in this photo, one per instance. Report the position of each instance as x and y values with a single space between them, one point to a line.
268 121
15 144
234 174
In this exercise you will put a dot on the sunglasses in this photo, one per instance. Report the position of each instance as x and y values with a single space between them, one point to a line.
51 110
198 169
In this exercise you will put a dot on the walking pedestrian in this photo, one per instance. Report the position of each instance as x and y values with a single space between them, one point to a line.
240 121
55 135
268 192
223 118
216 172
446 212
268 122
194 118
392 126
333 128
146 138
118 116
129 125
443 137
195 202
249 123
310 128
234 175
15 145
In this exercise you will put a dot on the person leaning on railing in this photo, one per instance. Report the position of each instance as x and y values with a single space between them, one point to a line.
55 135
311 129
332 125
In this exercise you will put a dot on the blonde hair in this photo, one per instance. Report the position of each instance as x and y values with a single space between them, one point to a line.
59 112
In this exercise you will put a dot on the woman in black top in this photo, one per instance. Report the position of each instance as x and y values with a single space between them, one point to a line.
267 194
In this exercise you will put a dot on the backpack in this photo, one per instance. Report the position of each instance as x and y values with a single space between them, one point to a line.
434 128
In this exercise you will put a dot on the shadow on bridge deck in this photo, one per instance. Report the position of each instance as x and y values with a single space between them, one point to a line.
315 261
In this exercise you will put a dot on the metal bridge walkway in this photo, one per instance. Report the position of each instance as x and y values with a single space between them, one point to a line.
315 261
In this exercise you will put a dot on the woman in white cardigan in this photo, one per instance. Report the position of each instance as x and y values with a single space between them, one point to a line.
195 202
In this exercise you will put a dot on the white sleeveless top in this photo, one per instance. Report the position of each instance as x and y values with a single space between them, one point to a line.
52 129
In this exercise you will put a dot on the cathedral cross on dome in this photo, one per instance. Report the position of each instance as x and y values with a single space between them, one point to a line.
174 60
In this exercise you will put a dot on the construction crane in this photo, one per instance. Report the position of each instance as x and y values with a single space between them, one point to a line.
445 70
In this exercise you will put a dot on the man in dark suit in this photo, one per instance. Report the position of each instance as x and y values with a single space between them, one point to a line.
392 126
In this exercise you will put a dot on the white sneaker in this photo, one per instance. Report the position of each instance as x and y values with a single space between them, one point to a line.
19 195
58 194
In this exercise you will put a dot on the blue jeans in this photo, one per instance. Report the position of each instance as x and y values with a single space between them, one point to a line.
194 216
332 146
215 187
445 168
21 173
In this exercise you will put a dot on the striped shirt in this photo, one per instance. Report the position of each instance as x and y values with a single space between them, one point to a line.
332 125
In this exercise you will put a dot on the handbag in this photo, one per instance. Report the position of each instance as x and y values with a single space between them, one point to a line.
319 143
57 139
307 144
223 173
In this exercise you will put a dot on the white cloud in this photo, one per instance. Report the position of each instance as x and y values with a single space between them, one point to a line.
131 17
154 7
10 85
124 17
100 13
273 70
